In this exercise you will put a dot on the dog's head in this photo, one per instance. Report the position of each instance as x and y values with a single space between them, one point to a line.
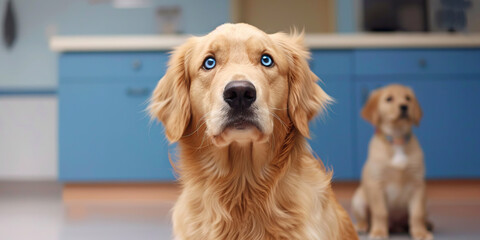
237 82
393 106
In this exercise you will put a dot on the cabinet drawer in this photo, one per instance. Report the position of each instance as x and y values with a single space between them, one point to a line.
111 65
331 62
105 134
417 61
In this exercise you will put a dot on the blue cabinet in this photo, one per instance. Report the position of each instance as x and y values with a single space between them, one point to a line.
111 66
420 62
105 134
447 85
332 133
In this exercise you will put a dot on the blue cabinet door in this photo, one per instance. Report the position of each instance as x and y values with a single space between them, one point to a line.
332 133
106 135
449 132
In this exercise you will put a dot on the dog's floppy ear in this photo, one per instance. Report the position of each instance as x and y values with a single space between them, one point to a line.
370 110
170 101
305 97
417 112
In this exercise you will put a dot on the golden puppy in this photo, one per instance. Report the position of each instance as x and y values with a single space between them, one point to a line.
238 102
392 189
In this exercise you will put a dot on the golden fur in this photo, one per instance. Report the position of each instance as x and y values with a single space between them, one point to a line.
257 183
392 195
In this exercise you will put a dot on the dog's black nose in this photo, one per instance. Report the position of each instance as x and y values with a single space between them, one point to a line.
403 108
239 94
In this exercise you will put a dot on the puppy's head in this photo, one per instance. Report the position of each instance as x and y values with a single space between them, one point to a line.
394 105
237 83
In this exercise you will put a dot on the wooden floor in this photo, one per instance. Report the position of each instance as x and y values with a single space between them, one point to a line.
32 210
453 207
437 190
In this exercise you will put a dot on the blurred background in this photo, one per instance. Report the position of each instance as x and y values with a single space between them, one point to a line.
79 158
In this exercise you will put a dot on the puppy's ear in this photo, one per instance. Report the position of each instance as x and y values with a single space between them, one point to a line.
417 112
170 101
305 98
370 110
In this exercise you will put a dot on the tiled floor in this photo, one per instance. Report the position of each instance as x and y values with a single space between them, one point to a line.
35 211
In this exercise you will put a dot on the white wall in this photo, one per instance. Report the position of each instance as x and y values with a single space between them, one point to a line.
31 64
28 137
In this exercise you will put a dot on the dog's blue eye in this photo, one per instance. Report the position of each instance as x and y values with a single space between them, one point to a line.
266 60
209 63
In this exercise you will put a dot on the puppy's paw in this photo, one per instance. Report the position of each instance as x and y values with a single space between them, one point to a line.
421 234
361 227
378 234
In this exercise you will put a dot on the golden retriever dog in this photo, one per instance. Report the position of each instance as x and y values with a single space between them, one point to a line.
238 102
392 190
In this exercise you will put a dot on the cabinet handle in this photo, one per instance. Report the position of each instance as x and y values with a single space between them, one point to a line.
138 92
137 65
422 63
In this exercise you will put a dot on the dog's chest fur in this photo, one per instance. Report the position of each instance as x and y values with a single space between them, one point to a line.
255 213
399 158
399 168
398 195
237 204
242 210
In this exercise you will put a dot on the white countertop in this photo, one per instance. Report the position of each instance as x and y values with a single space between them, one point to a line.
313 41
